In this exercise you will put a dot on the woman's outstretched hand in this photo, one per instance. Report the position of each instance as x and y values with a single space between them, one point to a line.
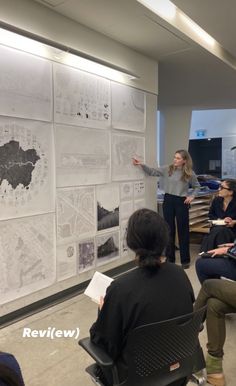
136 161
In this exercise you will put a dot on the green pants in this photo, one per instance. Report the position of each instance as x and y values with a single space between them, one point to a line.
220 298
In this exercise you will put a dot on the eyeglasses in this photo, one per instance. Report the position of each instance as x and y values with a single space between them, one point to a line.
223 187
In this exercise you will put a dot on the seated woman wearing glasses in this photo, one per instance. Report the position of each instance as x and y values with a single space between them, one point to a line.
155 291
223 207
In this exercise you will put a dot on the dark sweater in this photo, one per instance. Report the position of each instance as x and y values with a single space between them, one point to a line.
137 298
216 210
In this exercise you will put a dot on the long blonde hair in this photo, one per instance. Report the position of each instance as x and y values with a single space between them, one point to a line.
187 167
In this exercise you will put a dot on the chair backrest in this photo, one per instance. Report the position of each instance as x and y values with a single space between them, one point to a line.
162 352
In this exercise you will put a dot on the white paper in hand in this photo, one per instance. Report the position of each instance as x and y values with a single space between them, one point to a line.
98 286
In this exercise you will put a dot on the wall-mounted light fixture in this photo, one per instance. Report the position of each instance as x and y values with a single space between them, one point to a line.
14 37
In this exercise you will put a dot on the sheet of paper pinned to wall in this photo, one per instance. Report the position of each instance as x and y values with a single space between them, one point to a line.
75 213
124 148
82 156
98 286
28 256
128 108
25 85
27 184
81 99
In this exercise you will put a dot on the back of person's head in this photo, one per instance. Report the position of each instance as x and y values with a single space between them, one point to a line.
147 236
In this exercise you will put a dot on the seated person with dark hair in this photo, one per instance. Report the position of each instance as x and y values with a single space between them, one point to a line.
220 298
155 291
10 372
223 207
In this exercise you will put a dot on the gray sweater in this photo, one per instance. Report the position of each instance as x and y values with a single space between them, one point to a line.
174 184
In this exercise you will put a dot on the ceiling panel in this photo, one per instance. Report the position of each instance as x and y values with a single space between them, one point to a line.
127 22
217 17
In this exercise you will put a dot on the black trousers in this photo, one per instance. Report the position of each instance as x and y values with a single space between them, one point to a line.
219 234
174 208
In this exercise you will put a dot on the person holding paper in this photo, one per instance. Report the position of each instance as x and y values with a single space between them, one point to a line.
223 207
142 295
177 177
219 262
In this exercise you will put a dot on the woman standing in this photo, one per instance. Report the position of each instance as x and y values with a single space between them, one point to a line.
223 207
178 177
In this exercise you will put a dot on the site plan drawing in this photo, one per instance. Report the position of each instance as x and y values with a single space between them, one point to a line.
28 260
66 261
81 99
128 108
124 148
76 216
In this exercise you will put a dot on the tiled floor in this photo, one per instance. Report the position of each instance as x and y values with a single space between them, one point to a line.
61 361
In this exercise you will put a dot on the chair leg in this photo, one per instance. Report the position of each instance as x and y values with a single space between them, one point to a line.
199 378
97 381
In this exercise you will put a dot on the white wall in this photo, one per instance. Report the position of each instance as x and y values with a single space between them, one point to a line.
175 123
215 123
42 21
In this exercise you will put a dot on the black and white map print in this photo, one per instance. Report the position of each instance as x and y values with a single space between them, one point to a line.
27 257
26 168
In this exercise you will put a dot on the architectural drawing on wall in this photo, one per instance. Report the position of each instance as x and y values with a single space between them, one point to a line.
124 148
229 157
27 256
26 168
25 85
139 204
75 213
66 261
126 191
107 206
126 209
80 98
128 108
82 156
107 247
139 189
86 257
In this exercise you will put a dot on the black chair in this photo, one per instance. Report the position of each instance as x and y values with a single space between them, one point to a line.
157 353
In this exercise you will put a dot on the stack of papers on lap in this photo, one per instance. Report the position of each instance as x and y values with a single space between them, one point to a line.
218 222
98 286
